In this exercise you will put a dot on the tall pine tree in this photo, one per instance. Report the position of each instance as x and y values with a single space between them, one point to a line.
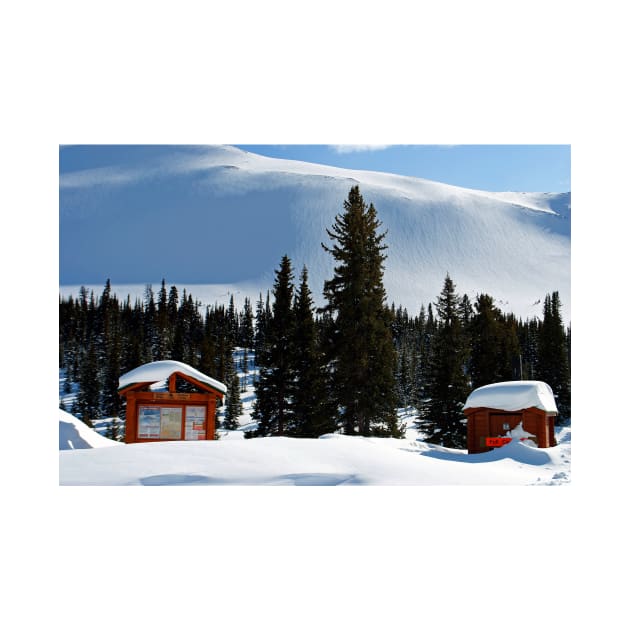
234 406
485 342
274 388
361 352
312 413
553 356
448 385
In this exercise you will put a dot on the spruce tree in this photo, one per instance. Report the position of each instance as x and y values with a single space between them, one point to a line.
164 339
312 414
111 402
263 317
246 325
223 348
150 326
207 353
234 406
88 399
275 387
362 356
421 375
485 342
553 356
528 336
232 322
509 350
448 385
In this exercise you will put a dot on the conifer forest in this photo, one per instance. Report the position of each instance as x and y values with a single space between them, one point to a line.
347 366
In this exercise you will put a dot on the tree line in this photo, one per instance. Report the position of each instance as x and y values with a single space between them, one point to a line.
347 366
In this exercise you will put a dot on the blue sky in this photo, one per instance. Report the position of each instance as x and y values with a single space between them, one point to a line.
526 168
523 168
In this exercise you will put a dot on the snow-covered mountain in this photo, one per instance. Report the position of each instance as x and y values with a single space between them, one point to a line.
223 218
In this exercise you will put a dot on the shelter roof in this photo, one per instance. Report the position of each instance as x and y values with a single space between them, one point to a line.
513 396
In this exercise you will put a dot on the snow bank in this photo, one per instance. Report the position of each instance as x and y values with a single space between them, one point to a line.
74 434
161 370
334 460
513 396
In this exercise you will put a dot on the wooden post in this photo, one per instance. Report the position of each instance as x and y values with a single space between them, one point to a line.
131 420
210 413
172 383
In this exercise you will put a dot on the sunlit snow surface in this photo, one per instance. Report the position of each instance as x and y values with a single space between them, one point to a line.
329 460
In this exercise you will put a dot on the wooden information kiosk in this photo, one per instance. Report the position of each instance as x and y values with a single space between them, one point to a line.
169 400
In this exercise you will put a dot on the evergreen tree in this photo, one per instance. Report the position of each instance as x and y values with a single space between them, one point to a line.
509 350
485 342
426 332
263 317
448 385
312 414
88 399
109 353
150 328
232 322
553 357
528 336
362 356
466 312
164 339
224 350
111 402
234 406
275 386
246 323
207 357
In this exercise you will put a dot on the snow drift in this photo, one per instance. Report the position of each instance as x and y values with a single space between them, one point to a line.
329 460
74 434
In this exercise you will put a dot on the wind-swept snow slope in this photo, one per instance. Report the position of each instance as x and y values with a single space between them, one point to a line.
225 217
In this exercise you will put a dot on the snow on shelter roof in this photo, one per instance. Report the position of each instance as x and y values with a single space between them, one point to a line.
513 396
161 370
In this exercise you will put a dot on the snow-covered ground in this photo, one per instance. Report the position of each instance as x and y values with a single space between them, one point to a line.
330 460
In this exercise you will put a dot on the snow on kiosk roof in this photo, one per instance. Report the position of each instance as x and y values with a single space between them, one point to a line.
162 370
513 396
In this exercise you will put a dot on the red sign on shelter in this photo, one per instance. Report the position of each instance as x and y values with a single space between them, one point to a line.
495 442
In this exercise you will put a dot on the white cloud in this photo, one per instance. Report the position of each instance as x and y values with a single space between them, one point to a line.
357 148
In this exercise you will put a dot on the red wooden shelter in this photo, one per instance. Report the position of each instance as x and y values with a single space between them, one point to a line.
493 410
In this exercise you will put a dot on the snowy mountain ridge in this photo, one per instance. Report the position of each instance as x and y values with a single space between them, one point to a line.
225 217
